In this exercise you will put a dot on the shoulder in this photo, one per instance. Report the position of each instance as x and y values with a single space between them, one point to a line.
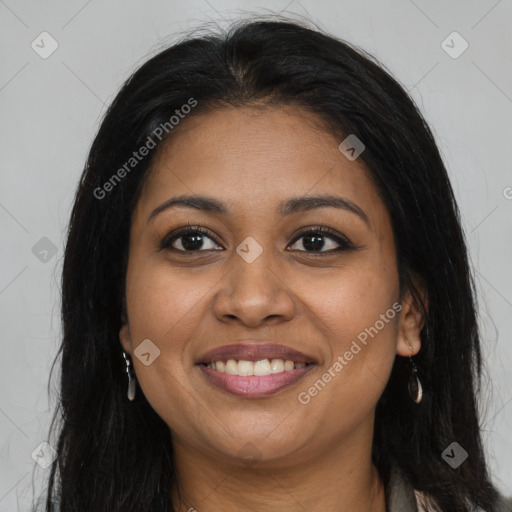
401 497
503 504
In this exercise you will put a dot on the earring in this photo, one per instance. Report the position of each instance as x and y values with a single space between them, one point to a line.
131 378
414 384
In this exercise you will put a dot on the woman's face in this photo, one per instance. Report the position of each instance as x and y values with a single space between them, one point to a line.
263 274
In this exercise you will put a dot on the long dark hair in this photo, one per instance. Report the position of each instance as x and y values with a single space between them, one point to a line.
117 455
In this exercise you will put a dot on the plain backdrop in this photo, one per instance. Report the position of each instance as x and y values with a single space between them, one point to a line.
51 108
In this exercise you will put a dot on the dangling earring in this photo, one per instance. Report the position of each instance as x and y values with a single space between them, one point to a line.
131 378
414 385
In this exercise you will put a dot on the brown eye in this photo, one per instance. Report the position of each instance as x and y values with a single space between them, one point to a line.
314 241
191 238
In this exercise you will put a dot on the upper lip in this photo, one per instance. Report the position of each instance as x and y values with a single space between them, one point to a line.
254 351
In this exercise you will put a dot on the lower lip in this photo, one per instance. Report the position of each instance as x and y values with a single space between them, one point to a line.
255 386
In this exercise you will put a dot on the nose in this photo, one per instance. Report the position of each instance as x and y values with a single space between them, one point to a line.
254 293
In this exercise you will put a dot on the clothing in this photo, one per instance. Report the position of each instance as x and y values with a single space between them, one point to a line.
401 497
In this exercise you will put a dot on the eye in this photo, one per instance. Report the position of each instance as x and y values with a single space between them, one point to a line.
195 238
189 239
314 240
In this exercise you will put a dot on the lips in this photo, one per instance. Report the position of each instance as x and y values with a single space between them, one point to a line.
255 351
288 366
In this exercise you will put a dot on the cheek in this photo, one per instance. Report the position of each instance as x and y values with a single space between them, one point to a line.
355 300
166 309
358 314
163 305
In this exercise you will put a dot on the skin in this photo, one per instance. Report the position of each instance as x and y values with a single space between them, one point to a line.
314 456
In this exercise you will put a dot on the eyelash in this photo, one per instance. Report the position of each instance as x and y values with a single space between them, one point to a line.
345 244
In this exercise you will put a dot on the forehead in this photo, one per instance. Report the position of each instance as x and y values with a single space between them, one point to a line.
253 158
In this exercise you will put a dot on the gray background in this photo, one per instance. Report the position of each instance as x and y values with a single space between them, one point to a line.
51 109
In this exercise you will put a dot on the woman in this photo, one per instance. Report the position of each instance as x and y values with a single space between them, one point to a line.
267 303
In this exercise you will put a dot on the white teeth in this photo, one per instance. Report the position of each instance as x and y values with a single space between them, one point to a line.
277 365
259 368
245 368
231 367
262 367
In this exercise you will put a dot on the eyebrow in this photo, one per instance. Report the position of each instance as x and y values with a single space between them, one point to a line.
286 208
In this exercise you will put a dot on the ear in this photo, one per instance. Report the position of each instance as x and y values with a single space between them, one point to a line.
125 336
411 319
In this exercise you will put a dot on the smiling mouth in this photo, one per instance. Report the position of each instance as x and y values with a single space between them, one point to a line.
254 379
259 368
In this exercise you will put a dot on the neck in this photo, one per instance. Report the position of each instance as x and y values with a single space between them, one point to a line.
340 477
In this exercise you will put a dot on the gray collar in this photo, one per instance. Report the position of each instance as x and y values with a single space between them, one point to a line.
400 495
